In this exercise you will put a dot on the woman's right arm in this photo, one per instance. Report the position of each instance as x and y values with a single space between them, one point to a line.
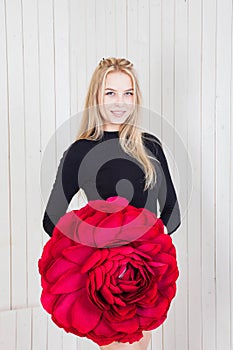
64 188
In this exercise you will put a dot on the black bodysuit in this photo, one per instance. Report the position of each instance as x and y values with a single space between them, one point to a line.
102 169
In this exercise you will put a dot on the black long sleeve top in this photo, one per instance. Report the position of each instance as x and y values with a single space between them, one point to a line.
102 169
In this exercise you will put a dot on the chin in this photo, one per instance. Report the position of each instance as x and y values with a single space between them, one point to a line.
118 120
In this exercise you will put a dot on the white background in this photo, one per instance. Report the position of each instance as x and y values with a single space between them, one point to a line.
183 53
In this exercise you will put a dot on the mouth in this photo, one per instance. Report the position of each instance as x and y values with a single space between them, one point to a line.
118 113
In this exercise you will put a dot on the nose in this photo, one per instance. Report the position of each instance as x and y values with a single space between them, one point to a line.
119 97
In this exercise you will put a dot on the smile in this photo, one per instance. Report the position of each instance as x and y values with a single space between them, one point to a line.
118 113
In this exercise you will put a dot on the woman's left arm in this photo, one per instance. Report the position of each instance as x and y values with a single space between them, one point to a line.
169 206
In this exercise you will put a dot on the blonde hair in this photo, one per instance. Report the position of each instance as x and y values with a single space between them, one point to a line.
130 136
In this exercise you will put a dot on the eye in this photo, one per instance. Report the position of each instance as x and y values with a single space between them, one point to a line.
110 93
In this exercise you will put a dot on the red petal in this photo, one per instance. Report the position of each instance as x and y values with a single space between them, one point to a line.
118 301
126 311
69 282
85 315
165 241
118 201
58 246
48 301
168 279
157 311
58 268
130 213
99 277
126 325
108 266
112 221
169 292
158 268
132 232
127 288
108 229
95 259
63 307
107 295
85 233
78 253
103 329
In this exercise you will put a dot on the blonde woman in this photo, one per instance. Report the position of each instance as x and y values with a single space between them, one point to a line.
112 156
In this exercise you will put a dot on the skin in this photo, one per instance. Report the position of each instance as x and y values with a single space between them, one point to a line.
120 99
116 100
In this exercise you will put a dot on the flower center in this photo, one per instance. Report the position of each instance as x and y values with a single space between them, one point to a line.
123 272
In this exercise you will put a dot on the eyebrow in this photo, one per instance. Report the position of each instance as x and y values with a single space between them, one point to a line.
116 90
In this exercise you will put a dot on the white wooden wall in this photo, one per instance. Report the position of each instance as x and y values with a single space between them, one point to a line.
183 52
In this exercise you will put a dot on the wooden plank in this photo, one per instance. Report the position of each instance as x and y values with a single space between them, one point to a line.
39 329
54 336
223 123
79 80
85 343
23 326
8 330
157 339
17 153
231 200
100 36
47 99
180 167
155 60
32 144
138 51
143 57
77 84
110 24
121 28
74 78
132 34
62 75
167 62
167 123
155 93
83 79
5 258
195 149
69 341
208 175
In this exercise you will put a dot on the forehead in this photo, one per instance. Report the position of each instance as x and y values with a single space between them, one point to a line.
118 80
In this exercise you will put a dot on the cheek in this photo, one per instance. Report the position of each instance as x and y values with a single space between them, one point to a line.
102 111
133 100
130 105
107 101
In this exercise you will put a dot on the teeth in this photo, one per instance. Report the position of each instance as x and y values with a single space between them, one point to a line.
118 114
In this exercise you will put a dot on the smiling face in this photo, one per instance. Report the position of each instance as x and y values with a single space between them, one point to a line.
118 100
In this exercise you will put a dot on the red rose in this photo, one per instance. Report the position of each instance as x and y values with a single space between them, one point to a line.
115 292
107 223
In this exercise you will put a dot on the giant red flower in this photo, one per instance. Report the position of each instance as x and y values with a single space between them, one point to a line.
115 285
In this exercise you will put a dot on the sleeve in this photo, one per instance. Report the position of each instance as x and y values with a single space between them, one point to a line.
63 190
169 206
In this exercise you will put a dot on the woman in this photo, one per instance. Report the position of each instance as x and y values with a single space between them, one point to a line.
137 170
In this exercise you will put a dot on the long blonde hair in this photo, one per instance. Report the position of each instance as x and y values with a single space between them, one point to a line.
130 136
